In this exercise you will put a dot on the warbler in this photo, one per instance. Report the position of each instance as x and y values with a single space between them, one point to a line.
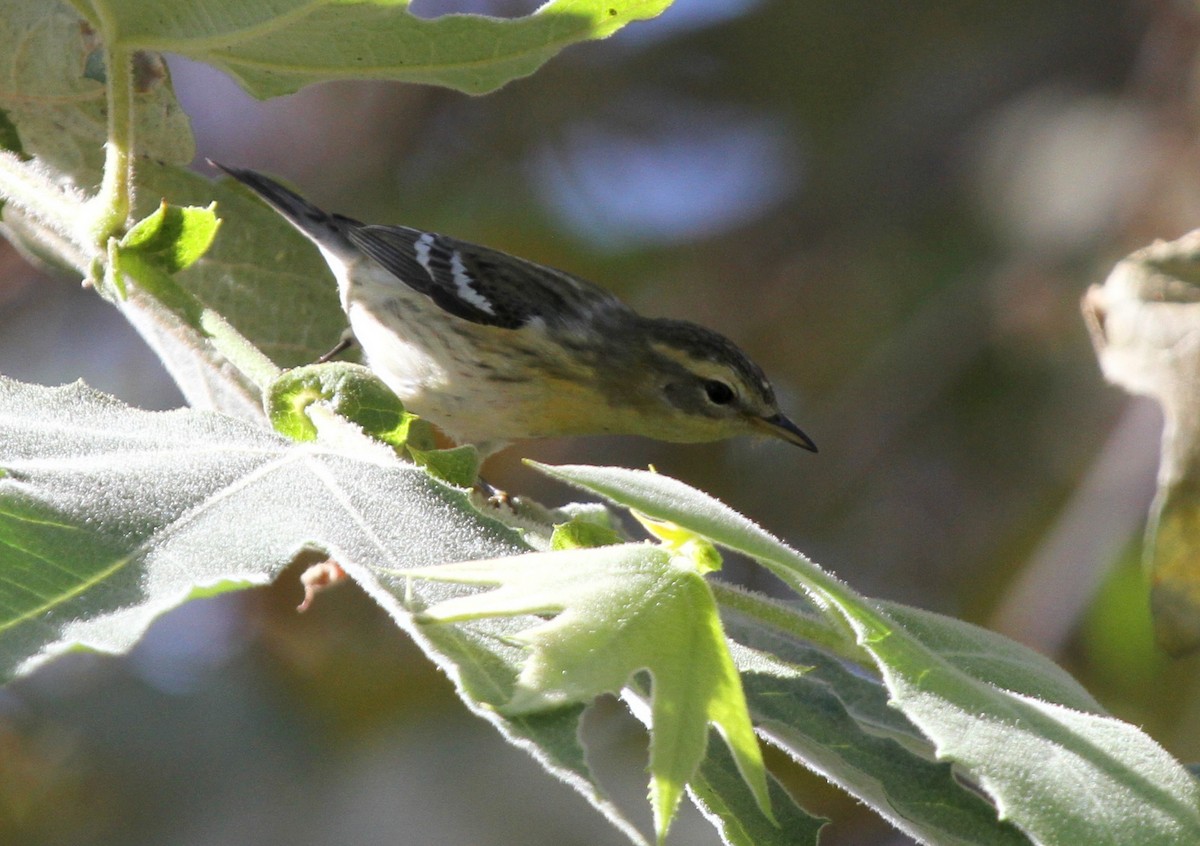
492 348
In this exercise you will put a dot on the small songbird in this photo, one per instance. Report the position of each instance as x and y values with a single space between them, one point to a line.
492 348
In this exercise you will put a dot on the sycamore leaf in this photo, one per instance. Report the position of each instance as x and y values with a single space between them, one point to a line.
720 792
270 288
268 282
277 47
1015 724
835 719
160 245
617 610
355 393
153 253
58 112
682 542
173 237
110 516
718 788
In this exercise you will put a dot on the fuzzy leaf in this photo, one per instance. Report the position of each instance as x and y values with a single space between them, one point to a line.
174 237
618 610
1017 726
110 516
58 109
351 390
459 465
581 533
277 47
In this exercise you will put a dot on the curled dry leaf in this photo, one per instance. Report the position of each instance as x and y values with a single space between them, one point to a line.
1145 324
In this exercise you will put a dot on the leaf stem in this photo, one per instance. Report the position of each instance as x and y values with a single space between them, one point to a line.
111 207
786 618
239 350
29 188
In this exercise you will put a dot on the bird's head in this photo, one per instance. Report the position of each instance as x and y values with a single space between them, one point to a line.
681 382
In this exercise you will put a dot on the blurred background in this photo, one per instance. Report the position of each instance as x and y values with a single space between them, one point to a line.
894 207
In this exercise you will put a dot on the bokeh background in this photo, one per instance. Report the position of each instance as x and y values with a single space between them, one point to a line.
895 207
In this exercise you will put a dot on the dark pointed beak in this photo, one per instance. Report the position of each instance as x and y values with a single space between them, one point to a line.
779 426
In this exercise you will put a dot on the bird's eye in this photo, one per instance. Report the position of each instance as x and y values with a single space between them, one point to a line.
718 392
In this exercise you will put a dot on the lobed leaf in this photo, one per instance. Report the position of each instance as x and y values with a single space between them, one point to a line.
617 610
110 516
1058 771
835 719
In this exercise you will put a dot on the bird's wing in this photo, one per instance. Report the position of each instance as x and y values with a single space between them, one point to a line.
480 284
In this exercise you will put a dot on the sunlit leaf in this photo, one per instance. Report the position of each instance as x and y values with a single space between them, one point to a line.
459 465
58 110
617 610
1017 726
274 48
174 237
835 719
583 534
109 515
351 390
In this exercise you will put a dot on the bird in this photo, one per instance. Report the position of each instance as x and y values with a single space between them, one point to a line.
492 348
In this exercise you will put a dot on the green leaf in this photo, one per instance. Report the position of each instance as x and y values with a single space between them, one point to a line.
59 111
682 542
836 720
169 240
109 516
721 793
351 390
355 393
149 275
581 533
618 610
173 237
459 466
1056 771
277 47
269 286
152 253
268 281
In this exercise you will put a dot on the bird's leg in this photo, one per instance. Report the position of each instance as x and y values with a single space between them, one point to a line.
495 496
344 343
